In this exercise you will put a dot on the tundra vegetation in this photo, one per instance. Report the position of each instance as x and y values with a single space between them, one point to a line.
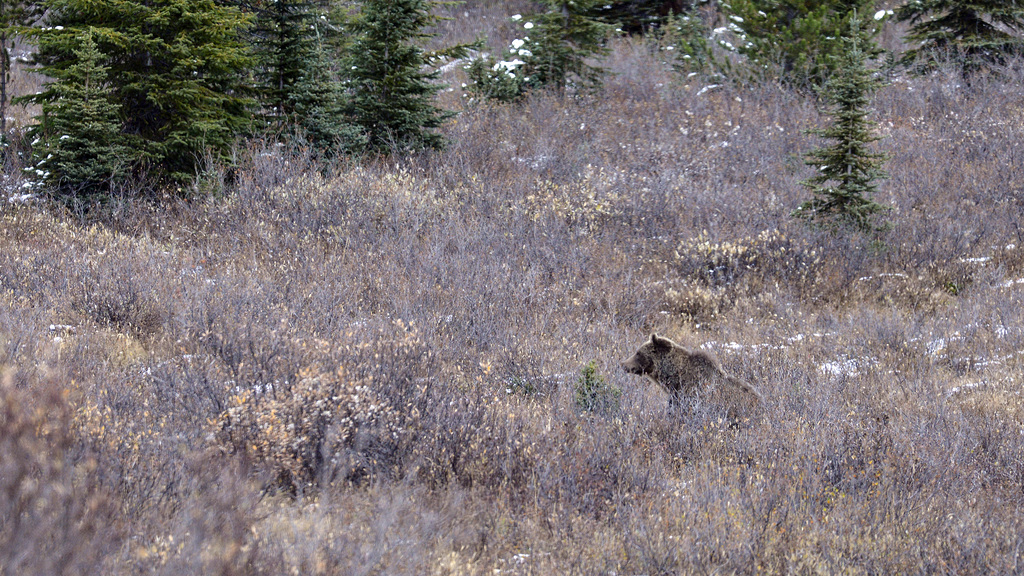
408 363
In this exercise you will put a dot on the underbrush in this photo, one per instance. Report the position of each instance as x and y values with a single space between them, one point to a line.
411 365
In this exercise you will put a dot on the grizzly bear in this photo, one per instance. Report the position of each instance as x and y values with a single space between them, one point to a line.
691 374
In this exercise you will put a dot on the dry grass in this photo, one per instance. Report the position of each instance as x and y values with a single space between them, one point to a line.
188 386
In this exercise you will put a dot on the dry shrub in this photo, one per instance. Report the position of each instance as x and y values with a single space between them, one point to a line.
994 398
55 516
344 425
211 528
818 267
546 235
715 275
583 205
117 297
139 444
926 291
317 429
1010 258
475 439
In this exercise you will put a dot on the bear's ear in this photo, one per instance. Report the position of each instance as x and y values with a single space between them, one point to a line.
660 342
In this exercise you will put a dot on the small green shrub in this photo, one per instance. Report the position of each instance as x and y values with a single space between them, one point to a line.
594 393
684 43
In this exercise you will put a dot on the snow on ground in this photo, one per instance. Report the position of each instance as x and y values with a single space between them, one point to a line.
846 366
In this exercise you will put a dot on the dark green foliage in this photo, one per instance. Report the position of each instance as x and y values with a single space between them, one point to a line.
978 32
175 68
496 81
685 42
561 42
81 140
847 169
553 53
318 110
795 40
390 92
638 16
284 40
594 393
297 90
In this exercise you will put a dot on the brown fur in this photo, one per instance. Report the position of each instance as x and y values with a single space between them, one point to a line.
686 373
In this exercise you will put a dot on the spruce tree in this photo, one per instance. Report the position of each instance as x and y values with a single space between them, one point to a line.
978 31
847 169
795 40
639 16
390 93
81 138
685 40
560 44
284 37
176 68
299 95
318 113
554 53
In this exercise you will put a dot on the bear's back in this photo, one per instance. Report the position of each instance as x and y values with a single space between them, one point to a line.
690 371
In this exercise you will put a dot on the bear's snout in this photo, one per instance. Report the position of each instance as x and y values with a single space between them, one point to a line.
633 366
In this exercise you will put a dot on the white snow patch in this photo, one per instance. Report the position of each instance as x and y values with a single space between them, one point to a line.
848 367
964 387
885 275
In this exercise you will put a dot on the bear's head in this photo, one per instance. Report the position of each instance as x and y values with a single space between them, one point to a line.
643 362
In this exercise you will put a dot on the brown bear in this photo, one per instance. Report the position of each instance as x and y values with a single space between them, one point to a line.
690 374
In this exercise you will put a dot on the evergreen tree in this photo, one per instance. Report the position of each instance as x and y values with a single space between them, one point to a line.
560 44
553 53
296 88
685 40
81 133
175 68
318 110
847 169
639 16
390 92
286 37
795 40
978 31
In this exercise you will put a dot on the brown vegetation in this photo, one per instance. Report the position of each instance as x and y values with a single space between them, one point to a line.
369 369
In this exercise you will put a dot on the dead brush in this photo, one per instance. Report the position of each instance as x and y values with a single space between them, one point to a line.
316 431
714 275
322 426
56 517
